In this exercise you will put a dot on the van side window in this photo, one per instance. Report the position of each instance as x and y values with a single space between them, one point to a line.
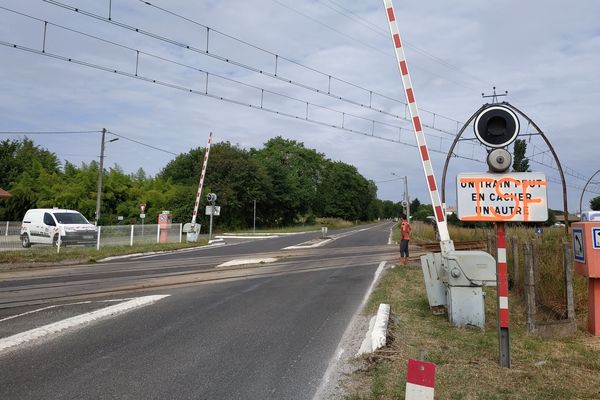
48 220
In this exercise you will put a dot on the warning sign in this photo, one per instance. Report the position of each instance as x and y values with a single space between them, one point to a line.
517 196
596 238
578 245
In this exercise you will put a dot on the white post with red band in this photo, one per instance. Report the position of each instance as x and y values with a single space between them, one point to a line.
420 380
440 217
202 174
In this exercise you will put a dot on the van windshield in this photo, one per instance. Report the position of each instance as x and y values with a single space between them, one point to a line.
70 218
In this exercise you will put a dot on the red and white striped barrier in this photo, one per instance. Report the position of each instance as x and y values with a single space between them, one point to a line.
420 380
202 174
418 129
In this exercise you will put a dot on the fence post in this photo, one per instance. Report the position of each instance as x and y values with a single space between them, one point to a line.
530 286
131 236
567 260
6 233
98 238
180 232
514 248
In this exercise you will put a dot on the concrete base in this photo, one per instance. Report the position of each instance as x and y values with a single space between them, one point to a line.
466 306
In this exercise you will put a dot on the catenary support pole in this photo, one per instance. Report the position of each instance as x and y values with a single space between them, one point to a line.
100 172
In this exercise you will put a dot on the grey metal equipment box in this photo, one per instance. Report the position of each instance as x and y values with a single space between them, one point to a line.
454 280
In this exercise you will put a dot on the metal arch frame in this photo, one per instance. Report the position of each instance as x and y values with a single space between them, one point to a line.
583 191
540 132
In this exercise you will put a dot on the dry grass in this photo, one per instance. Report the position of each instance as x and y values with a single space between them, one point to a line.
74 254
466 358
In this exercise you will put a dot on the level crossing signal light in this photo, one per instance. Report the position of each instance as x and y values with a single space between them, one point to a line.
496 127
211 197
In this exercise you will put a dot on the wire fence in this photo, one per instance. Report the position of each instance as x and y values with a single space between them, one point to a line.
105 236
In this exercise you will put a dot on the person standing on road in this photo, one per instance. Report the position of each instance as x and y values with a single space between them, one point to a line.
404 239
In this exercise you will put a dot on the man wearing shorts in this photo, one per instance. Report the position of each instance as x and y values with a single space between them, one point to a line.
404 239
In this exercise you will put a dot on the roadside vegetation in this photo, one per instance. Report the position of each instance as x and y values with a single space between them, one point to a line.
289 183
47 255
466 358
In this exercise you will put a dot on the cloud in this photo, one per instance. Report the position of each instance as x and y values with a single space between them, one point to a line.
534 50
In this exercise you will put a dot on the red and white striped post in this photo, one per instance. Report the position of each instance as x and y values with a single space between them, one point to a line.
502 279
201 184
445 243
420 380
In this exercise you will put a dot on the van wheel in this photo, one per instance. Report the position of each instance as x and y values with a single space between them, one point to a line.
55 240
25 241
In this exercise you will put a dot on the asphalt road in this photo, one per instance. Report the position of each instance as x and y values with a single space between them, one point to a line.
249 332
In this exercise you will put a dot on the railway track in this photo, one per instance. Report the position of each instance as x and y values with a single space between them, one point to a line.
459 245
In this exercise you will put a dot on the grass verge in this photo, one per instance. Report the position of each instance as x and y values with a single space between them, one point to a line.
466 358
48 255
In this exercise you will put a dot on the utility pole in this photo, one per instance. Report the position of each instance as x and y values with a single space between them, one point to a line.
100 171
254 225
406 198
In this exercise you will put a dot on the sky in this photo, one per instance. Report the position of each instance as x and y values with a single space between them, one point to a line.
325 64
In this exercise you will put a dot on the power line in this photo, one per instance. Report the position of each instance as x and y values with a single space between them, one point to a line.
141 143
275 75
358 41
472 157
202 93
340 114
381 32
46 132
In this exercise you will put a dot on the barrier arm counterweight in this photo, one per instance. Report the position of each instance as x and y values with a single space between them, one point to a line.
446 243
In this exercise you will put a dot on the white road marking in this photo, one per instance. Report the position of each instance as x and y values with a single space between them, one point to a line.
59 305
69 323
246 261
308 246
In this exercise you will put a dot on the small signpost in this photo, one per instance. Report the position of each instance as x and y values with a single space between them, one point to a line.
143 216
212 210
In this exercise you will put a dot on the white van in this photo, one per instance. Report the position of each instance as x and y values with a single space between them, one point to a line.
44 225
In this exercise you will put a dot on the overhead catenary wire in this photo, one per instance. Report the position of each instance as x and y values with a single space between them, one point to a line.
278 58
203 93
241 103
381 32
262 90
359 41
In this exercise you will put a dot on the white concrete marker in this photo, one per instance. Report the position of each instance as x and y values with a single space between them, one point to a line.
56 327
378 336
377 333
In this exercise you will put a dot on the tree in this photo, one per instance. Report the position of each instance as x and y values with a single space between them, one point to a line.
415 205
520 162
595 203
295 173
344 193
